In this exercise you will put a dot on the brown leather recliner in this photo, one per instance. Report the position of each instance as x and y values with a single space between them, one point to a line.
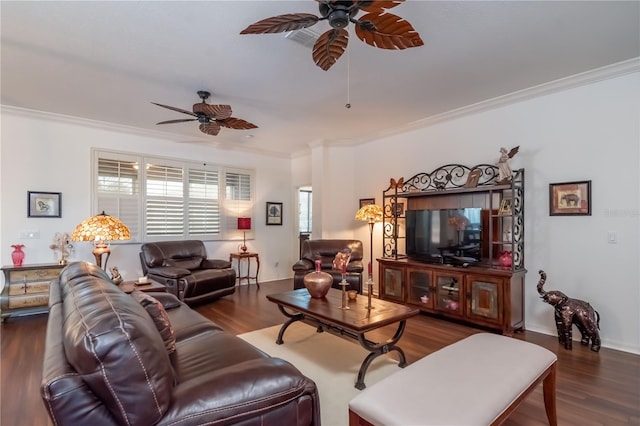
105 363
326 251
183 267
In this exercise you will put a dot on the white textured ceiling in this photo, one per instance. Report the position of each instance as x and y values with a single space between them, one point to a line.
106 61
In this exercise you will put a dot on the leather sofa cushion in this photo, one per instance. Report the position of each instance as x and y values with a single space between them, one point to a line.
190 264
111 341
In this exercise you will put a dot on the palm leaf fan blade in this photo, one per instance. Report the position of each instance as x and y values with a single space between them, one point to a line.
378 5
181 120
390 32
329 47
219 112
212 128
282 23
184 111
236 123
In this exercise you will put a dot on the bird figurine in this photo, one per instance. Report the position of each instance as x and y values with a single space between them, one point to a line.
504 170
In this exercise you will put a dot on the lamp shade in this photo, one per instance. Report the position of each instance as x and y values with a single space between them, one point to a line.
101 227
371 213
244 223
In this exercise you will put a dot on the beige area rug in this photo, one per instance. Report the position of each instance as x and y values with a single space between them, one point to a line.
330 361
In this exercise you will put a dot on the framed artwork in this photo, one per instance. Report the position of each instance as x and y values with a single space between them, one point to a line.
274 213
570 198
473 178
44 204
366 202
398 209
505 207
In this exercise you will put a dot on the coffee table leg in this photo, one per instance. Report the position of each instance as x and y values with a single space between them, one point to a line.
377 349
292 318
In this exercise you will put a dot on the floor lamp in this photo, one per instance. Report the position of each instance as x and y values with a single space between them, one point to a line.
99 229
371 214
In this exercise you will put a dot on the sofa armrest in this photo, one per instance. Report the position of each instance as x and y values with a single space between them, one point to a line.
169 272
241 391
303 265
215 264
355 266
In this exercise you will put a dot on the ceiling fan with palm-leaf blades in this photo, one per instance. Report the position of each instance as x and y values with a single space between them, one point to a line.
376 28
211 117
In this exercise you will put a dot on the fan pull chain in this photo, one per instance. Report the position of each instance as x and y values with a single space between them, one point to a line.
348 104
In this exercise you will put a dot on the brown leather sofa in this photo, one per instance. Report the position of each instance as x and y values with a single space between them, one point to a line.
326 251
183 267
106 363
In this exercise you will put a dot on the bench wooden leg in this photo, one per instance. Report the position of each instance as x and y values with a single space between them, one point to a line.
549 392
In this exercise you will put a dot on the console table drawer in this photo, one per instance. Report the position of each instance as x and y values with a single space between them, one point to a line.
17 276
29 288
28 301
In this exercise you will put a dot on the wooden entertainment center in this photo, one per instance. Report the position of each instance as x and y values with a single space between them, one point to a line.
485 289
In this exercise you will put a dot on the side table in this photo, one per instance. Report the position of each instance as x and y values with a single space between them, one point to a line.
248 256
129 286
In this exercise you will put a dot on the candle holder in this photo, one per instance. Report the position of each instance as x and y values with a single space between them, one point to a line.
344 285
369 292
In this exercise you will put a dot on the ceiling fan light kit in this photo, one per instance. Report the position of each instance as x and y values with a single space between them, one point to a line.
377 27
211 117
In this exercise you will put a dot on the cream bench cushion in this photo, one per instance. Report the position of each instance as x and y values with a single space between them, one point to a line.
476 381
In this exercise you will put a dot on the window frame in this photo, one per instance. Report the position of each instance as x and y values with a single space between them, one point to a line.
229 209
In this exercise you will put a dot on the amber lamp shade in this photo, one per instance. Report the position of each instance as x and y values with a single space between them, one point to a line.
100 229
244 224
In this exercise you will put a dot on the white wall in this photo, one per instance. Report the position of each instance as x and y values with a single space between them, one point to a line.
53 154
586 133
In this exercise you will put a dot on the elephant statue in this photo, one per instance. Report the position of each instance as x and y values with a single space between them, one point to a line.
570 311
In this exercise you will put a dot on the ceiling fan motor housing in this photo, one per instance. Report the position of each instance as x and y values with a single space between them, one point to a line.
338 13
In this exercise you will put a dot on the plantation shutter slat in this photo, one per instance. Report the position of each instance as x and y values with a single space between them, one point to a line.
118 191
165 200
204 204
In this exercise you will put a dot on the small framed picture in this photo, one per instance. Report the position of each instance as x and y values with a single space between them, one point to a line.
473 178
505 207
366 202
274 213
398 209
570 198
44 204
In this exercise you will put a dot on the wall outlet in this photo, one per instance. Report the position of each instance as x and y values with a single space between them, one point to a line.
612 237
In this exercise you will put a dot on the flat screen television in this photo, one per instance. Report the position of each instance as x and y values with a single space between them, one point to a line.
444 236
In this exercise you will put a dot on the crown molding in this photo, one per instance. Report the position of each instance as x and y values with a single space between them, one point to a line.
588 77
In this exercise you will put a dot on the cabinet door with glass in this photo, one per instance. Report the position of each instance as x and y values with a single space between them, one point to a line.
485 298
420 287
449 295
392 287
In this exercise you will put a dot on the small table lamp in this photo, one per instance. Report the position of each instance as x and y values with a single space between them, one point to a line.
98 229
372 214
244 224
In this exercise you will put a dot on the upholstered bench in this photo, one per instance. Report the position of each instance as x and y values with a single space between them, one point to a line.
479 380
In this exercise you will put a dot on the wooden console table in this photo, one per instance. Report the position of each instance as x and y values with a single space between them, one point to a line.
248 256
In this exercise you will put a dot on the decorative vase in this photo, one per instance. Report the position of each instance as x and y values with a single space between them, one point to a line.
318 283
17 255
505 259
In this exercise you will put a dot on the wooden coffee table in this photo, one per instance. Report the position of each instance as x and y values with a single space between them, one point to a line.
354 322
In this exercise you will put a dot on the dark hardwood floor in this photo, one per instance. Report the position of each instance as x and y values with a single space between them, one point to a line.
593 388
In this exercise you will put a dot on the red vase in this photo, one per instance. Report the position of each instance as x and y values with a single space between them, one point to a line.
17 255
505 259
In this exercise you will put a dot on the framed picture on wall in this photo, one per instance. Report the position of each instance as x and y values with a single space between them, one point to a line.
274 213
570 198
44 204
366 202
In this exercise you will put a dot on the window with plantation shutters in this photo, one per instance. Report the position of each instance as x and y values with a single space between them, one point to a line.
165 199
165 204
118 190
204 206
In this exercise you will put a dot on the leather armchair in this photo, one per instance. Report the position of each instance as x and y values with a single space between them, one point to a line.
326 251
183 267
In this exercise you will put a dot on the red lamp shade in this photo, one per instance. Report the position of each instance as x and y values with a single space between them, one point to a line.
244 223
